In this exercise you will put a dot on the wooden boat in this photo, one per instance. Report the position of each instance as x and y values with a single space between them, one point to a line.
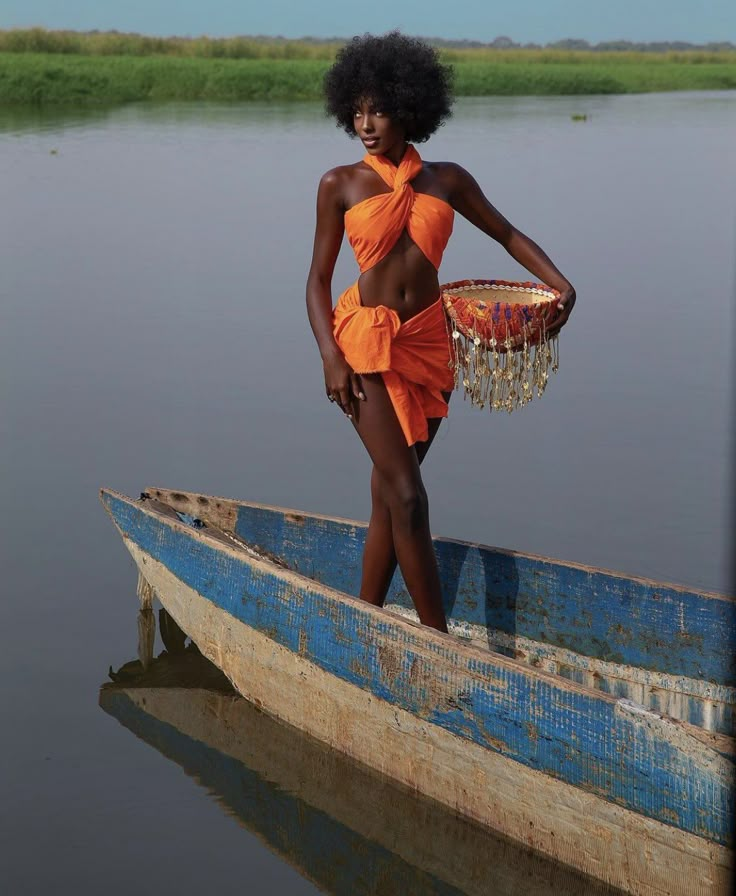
338 823
580 712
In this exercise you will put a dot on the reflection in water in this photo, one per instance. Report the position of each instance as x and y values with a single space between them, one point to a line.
340 825
56 119
45 119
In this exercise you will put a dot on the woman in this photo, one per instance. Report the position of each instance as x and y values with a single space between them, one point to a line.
385 349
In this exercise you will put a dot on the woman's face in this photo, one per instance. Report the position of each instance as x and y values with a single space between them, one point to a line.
379 133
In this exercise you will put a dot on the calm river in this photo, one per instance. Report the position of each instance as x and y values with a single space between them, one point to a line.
153 332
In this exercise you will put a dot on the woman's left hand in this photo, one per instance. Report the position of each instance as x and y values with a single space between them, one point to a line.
564 306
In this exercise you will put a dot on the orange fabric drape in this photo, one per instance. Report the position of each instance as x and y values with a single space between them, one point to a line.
413 357
374 225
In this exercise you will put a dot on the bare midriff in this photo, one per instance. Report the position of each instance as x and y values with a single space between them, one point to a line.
404 280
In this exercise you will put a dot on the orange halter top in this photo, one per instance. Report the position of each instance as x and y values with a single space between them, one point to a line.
374 225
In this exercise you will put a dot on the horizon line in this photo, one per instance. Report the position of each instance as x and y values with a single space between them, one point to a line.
494 43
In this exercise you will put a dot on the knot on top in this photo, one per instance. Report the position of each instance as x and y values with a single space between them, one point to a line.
396 177
375 224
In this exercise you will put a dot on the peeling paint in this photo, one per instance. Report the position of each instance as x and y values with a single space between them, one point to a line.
663 772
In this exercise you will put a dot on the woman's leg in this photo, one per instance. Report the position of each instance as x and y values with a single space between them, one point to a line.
399 526
379 556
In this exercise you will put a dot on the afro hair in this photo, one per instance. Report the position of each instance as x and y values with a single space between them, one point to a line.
403 76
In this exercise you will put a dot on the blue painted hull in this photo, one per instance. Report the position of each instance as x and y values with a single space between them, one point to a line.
666 647
585 738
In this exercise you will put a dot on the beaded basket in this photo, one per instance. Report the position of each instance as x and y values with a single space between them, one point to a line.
502 353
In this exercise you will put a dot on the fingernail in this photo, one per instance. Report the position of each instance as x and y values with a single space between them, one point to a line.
361 396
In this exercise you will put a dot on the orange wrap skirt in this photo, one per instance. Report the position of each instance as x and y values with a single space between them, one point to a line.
412 357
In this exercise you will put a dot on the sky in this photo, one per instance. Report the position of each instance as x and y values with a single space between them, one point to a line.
538 21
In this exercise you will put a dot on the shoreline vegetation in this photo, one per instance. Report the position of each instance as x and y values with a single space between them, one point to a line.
39 67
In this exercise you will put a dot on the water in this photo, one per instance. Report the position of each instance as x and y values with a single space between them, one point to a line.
153 333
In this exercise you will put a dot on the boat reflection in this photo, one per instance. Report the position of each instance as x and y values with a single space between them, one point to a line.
342 826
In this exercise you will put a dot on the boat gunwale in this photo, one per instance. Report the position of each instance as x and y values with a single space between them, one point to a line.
508 552
427 639
378 613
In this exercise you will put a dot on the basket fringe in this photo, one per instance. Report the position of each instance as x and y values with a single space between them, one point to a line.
503 375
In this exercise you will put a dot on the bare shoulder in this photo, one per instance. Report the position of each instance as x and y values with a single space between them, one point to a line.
340 177
335 184
453 178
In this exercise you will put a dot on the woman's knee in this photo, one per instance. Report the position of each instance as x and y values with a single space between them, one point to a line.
408 503
378 487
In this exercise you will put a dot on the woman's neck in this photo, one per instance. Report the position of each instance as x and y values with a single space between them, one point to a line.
396 153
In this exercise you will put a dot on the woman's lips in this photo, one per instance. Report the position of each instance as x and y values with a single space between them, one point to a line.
370 142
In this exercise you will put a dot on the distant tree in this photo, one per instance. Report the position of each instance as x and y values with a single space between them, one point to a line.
570 43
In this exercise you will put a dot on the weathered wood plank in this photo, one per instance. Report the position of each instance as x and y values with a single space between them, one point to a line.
640 855
708 706
694 700
624 620
601 745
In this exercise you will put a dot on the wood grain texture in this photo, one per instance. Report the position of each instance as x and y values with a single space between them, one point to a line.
449 699
329 550
641 761
619 619
580 830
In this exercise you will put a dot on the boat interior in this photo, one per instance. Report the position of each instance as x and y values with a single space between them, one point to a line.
668 649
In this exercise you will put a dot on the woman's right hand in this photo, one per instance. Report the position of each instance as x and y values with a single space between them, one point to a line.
342 384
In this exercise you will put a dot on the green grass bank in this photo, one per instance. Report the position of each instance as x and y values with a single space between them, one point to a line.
116 43
67 78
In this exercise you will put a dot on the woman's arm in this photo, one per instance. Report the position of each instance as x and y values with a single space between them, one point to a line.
341 383
467 198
